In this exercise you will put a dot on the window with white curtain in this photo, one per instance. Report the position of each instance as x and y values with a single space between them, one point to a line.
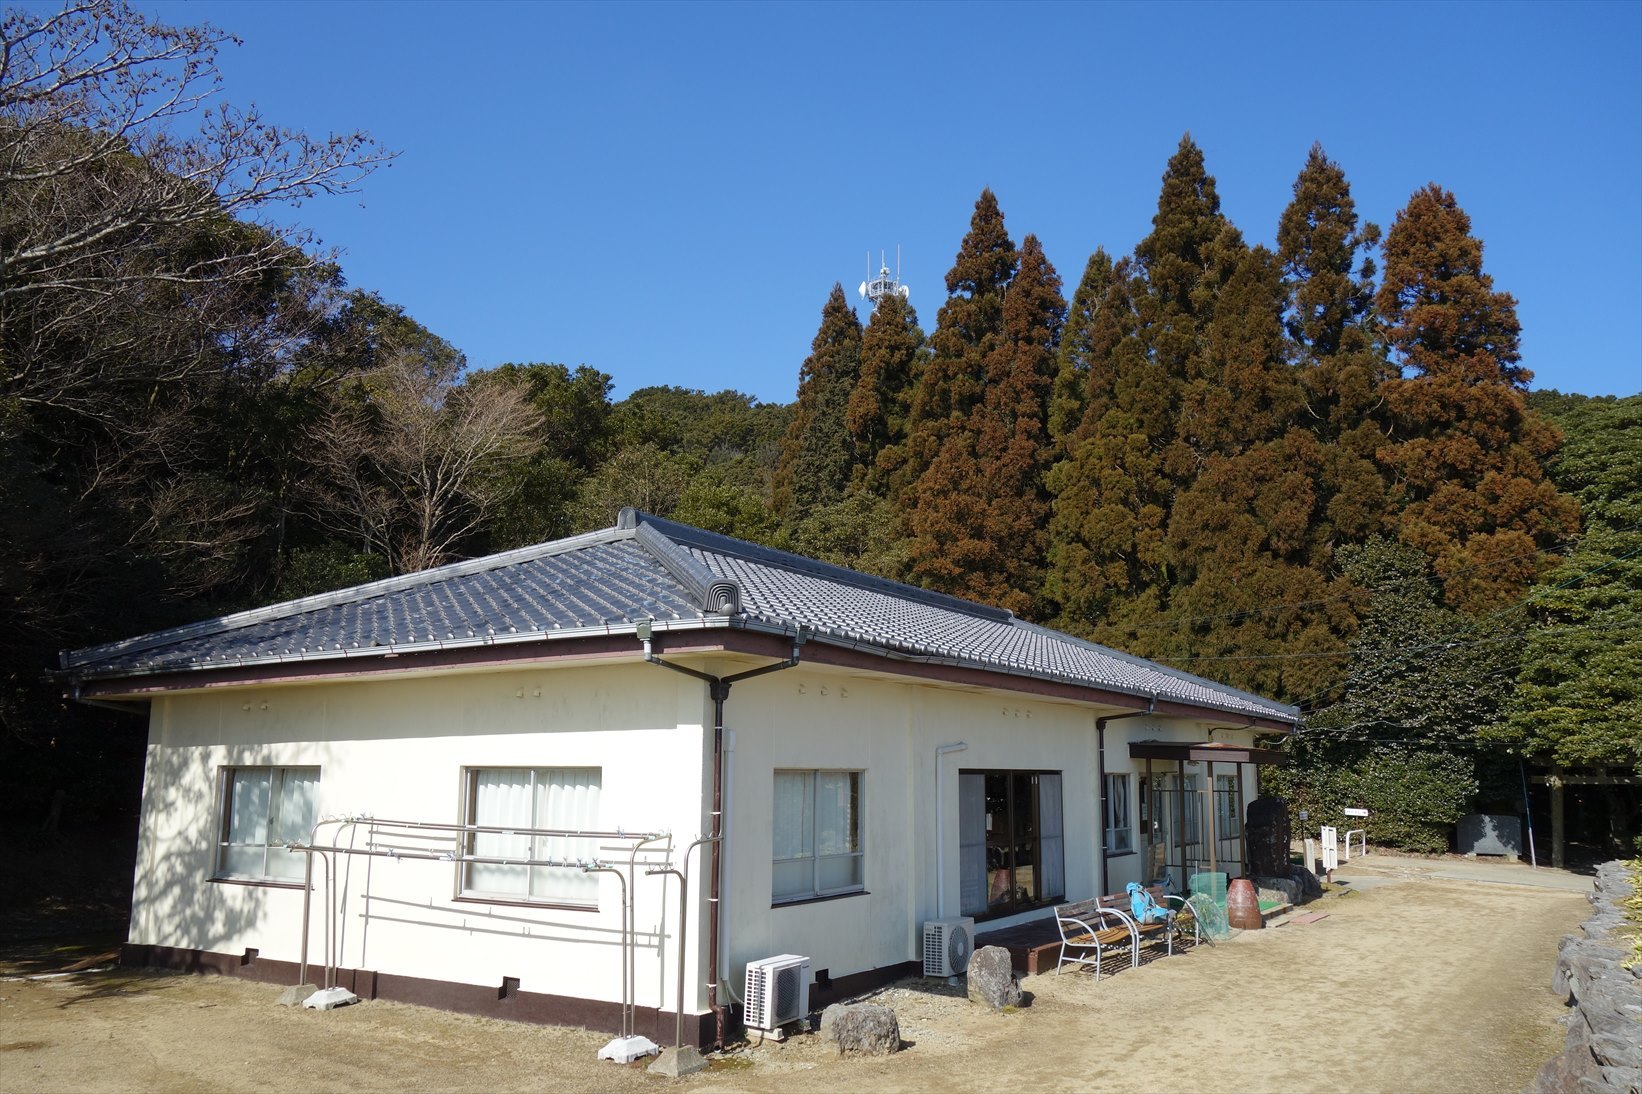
1120 834
263 809
512 798
817 834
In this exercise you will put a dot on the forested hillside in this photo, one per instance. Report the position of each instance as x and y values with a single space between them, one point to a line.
1314 471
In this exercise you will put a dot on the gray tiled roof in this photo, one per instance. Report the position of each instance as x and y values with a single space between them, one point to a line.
647 568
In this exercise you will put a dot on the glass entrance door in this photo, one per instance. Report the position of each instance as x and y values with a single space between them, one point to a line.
1011 843
1177 846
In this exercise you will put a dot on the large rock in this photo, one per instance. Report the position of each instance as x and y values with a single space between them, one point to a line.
1575 1062
1266 834
1310 887
1279 890
992 978
861 1027
1602 1053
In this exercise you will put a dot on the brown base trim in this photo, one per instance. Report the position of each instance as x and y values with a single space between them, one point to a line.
503 1001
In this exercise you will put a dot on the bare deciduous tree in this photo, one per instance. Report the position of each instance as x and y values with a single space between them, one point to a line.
111 132
411 469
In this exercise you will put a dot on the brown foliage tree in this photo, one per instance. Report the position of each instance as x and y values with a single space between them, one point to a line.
979 442
1467 456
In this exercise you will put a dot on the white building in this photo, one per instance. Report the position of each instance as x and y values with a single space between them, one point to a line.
897 756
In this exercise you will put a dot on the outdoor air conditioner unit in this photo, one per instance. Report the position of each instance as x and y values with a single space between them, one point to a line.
778 991
947 946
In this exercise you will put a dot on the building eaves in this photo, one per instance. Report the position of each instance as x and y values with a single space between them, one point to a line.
675 578
1152 667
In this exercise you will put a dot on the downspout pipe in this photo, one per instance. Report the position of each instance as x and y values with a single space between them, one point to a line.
1100 772
718 689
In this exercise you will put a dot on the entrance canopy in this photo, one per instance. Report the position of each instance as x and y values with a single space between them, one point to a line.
1207 751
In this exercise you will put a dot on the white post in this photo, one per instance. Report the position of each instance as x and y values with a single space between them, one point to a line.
940 827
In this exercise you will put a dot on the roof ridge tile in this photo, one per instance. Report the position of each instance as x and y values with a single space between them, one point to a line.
688 535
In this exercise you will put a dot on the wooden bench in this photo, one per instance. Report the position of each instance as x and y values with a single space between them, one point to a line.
1105 924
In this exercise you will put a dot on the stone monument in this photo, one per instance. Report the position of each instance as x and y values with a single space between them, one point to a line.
1268 835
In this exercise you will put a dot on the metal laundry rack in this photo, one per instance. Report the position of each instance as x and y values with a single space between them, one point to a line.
430 841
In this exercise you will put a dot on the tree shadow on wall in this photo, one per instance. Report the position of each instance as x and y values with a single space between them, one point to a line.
174 901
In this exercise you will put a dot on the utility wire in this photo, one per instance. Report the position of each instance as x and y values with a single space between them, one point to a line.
1398 658
1440 645
1568 543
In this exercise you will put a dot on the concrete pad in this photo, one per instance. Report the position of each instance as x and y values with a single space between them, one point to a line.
675 1062
1379 869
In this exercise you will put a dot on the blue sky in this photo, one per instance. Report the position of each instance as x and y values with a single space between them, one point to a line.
667 192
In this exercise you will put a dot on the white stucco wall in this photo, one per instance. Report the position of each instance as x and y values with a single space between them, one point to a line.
397 748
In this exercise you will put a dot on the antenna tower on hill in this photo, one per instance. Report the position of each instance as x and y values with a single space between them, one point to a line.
876 288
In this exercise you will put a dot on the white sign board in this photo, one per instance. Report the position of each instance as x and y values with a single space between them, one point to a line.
1352 812
1331 848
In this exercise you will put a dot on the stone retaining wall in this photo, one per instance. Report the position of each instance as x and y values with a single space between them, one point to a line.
1603 1052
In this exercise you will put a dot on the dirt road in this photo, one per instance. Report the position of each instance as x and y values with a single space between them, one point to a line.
1419 984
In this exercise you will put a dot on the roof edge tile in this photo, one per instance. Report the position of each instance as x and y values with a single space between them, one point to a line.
712 593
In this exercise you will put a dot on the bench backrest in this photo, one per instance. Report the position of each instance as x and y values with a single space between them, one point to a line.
1080 916
1082 909
1121 900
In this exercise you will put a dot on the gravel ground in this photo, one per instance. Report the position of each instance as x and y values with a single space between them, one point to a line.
1421 984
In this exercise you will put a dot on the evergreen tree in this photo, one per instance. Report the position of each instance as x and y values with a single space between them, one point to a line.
979 441
1328 280
1467 456
936 486
1239 391
817 456
1115 488
1244 535
892 348
969 329
1077 347
1328 273
1400 738
1579 697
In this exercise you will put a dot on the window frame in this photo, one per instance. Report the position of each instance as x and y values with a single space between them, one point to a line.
1227 824
1118 825
815 857
277 773
469 812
